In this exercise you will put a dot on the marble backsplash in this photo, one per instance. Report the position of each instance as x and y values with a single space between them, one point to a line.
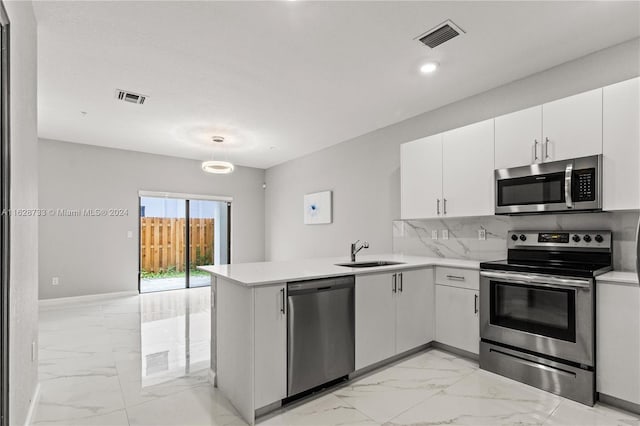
413 237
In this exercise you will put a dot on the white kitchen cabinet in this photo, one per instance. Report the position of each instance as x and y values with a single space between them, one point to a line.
468 163
421 177
270 351
618 340
621 145
457 308
414 309
394 314
518 138
572 126
375 319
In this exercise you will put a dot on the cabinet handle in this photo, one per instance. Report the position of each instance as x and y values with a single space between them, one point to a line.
400 284
546 149
475 303
535 150
283 302
456 277
438 206
394 283
444 206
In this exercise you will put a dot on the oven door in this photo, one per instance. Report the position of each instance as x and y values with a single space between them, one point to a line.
544 314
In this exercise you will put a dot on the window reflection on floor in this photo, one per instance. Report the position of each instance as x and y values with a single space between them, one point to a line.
175 334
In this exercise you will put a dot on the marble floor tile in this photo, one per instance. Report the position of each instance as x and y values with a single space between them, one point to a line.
145 361
198 406
570 413
115 418
72 398
385 394
327 410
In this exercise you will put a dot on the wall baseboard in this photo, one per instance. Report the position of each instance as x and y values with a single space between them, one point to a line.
33 406
85 298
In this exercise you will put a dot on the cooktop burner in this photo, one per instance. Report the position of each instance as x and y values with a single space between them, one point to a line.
566 253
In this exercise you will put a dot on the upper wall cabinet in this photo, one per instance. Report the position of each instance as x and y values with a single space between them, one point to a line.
421 177
621 145
467 170
567 128
519 138
572 127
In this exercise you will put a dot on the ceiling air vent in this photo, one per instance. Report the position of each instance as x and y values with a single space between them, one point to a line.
134 98
440 34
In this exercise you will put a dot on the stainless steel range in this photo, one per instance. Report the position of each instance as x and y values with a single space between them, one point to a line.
537 310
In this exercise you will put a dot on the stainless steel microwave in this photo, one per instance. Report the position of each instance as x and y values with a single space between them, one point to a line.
559 186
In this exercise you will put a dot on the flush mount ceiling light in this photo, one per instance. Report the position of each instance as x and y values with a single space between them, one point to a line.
428 67
217 166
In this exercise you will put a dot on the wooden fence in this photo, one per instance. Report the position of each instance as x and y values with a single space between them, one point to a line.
163 243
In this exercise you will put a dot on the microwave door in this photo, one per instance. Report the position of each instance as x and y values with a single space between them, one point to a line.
531 193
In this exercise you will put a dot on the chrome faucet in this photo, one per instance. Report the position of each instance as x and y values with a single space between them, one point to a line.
355 249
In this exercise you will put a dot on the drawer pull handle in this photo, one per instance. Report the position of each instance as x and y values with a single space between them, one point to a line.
456 277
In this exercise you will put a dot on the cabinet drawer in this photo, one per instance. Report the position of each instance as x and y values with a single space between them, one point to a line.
454 277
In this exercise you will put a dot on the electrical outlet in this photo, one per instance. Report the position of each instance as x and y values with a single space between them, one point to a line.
445 234
55 281
34 351
482 234
434 235
129 234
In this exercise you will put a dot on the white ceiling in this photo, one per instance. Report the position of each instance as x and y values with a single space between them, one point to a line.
283 79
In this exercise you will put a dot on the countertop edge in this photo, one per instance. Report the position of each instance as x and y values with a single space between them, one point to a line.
619 277
415 262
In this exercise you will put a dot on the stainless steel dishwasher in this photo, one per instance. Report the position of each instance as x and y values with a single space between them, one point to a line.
320 332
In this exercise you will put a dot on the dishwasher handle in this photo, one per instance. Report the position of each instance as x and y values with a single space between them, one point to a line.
326 284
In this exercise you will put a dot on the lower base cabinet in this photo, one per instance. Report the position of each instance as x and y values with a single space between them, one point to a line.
618 340
457 319
394 314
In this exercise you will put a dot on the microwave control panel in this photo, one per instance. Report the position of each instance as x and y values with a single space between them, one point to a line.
584 185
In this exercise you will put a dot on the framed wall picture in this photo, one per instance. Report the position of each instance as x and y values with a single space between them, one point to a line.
317 208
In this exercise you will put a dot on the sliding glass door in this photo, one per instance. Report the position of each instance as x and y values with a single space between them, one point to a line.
176 236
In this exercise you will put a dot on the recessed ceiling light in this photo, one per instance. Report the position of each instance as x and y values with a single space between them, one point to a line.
428 67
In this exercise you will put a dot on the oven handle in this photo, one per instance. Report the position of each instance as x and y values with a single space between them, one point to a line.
540 280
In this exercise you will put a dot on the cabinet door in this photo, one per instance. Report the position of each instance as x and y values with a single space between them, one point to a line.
621 145
618 340
572 127
467 165
375 319
457 322
518 140
270 350
414 309
421 177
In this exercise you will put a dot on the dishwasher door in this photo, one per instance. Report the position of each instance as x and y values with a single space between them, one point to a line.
320 332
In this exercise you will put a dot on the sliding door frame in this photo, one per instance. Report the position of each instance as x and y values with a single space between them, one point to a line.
5 187
187 198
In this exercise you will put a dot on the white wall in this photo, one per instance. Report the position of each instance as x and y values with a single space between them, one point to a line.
93 255
364 173
23 372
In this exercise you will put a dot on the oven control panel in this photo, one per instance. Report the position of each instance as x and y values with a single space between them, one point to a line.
595 239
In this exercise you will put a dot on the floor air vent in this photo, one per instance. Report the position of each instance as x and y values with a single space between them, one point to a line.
134 98
440 34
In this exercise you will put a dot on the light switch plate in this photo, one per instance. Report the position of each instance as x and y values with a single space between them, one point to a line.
445 234
129 234
482 234
434 235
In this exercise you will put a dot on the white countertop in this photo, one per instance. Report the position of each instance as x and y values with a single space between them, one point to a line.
262 273
620 277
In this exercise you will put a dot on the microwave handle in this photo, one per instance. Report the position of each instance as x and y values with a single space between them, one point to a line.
568 185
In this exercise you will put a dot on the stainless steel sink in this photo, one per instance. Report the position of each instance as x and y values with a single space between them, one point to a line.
369 264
